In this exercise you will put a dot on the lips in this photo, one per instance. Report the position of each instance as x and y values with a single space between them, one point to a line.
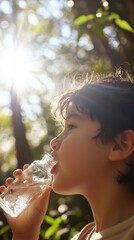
54 168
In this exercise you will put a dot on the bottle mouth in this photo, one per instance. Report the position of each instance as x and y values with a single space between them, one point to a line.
48 161
43 167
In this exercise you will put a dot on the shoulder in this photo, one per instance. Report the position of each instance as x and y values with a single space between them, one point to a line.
85 232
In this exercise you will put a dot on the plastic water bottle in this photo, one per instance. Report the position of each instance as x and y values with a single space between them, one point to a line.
20 193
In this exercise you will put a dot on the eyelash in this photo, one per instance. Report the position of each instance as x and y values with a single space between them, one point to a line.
71 126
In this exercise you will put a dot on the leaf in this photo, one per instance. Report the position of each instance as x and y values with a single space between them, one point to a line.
124 25
4 229
51 230
83 19
55 225
58 220
49 220
113 16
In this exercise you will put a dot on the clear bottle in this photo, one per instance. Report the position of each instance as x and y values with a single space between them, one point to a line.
19 194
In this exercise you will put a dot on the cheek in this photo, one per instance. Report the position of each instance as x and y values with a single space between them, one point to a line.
80 164
75 153
81 155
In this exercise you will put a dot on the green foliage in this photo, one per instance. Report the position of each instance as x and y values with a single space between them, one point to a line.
101 66
104 18
5 121
4 229
124 25
65 218
113 16
83 19
55 225
59 52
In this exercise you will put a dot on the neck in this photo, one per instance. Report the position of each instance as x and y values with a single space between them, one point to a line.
111 207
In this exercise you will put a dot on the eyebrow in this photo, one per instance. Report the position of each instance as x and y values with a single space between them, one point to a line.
73 115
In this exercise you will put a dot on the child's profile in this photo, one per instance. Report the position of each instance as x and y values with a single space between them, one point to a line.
94 155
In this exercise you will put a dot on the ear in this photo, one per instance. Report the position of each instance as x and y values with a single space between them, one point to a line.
123 146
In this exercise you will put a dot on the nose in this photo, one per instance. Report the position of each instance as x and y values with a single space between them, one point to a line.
55 143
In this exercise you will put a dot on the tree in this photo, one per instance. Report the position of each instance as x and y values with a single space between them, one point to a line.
22 147
109 26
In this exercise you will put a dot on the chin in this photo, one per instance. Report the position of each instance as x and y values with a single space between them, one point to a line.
60 189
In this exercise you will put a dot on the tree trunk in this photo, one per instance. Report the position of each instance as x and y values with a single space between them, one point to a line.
22 148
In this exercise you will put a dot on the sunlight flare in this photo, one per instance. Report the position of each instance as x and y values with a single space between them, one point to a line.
17 68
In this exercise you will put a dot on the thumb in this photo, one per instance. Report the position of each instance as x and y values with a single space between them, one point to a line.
41 203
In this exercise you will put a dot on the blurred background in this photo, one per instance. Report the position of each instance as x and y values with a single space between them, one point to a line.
44 44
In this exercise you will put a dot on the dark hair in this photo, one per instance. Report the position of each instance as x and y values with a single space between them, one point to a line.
110 100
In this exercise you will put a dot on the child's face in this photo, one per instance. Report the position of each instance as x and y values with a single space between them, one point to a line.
82 160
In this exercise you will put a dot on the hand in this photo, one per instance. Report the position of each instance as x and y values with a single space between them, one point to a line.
26 226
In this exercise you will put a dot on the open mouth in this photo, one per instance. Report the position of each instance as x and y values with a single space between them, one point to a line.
54 168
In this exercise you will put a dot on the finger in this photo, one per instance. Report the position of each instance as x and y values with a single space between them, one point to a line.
41 204
9 181
47 191
2 188
25 166
17 173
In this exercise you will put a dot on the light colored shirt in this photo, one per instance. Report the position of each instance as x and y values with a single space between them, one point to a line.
121 231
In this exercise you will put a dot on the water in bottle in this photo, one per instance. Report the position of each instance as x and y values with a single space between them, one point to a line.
21 192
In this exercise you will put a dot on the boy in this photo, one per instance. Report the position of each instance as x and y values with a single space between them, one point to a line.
94 157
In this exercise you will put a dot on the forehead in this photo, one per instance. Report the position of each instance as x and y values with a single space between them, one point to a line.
72 109
85 120
72 112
